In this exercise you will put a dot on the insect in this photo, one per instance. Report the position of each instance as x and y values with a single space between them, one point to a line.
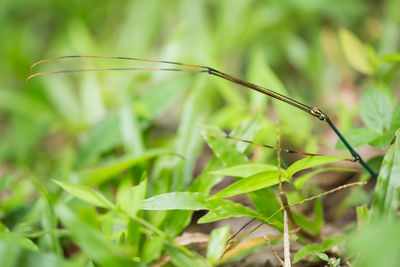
183 67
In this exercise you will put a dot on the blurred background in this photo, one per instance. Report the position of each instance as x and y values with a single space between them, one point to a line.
55 126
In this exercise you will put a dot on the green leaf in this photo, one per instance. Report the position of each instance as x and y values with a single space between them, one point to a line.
134 236
176 201
307 225
245 170
300 181
86 194
91 99
123 194
323 256
267 203
217 243
22 242
331 242
395 57
160 96
105 136
223 209
386 200
318 215
3 228
88 215
336 262
92 242
383 251
14 255
257 73
219 208
395 118
182 259
224 149
358 137
122 240
310 162
99 175
355 52
363 215
252 183
286 112
131 134
152 248
205 181
188 142
376 110
384 140
372 57
28 106
130 198
247 131
311 249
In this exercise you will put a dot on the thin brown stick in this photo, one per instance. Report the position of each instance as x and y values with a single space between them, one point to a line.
281 262
288 219
327 193
315 197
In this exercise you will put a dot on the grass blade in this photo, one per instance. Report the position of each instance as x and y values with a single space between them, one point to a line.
386 200
86 194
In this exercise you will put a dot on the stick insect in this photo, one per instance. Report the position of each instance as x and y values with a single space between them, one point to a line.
183 67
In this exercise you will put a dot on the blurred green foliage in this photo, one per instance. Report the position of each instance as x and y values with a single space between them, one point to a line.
117 141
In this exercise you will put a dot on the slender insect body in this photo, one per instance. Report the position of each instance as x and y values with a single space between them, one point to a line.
314 111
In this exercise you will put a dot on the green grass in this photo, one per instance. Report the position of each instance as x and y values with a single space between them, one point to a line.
107 169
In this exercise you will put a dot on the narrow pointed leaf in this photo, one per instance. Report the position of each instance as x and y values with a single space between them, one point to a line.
358 137
182 259
307 225
395 57
311 249
224 149
14 254
217 243
223 209
386 200
331 242
376 110
323 256
252 183
245 170
86 194
310 162
130 198
92 242
355 52
383 140
395 118
300 181
176 201
318 215
101 174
